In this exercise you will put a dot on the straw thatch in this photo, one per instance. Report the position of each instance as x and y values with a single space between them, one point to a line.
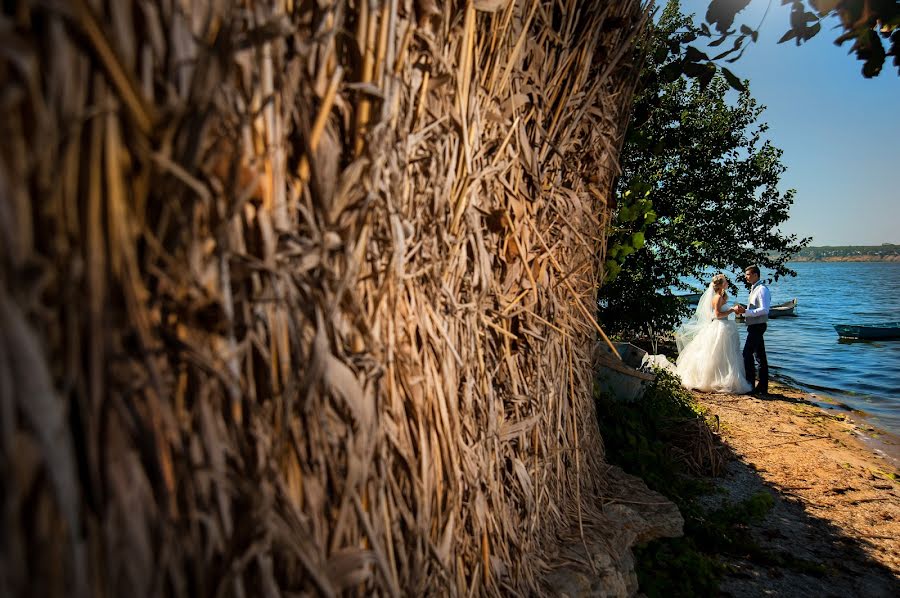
299 296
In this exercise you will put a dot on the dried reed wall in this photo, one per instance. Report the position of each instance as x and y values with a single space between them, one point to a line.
298 296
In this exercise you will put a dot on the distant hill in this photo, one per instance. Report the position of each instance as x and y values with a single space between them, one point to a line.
850 253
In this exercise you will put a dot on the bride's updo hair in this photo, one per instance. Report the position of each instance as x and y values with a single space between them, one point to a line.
719 282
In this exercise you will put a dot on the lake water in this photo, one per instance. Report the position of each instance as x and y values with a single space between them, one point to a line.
805 352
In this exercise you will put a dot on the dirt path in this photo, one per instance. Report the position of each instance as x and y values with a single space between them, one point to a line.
837 502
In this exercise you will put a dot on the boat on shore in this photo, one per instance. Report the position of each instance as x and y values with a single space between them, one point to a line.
879 331
690 298
777 311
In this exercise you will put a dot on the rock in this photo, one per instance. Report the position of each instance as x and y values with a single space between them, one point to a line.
601 564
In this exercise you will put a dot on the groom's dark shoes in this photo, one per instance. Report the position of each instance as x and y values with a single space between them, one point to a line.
758 391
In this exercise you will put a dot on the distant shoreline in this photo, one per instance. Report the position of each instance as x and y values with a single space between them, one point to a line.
848 258
886 252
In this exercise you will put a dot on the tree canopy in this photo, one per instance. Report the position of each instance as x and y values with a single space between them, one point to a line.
699 189
873 26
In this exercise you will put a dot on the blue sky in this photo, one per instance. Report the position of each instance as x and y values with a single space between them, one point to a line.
840 132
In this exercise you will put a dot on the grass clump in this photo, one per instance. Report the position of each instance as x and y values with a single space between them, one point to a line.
664 438
651 438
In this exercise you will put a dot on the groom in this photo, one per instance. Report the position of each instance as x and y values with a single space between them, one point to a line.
756 314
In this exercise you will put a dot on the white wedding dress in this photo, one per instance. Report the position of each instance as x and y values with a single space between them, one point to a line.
709 352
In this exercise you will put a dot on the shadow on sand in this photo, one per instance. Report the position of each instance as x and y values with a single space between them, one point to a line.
789 551
802 554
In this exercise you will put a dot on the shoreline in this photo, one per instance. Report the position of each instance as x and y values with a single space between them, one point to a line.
865 425
869 427
836 490
879 439
854 258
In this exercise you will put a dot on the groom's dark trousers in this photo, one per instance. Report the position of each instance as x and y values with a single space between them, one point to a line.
756 346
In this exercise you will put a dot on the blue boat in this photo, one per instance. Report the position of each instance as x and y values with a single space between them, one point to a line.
880 331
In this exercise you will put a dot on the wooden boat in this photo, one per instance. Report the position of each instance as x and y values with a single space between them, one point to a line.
621 378
882 330
776 311
690 298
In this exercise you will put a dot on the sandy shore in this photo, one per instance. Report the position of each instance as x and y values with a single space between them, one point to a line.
837 495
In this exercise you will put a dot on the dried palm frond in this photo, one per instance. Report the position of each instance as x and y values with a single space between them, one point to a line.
297 296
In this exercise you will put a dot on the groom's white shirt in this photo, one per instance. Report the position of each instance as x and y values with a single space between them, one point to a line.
758 304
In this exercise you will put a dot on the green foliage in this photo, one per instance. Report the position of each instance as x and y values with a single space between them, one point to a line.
675 568
713 184
634 214
870 25
691 565
723 531
849 250
636 436
666 395
865 22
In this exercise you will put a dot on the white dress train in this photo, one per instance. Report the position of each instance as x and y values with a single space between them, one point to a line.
710 356
712 362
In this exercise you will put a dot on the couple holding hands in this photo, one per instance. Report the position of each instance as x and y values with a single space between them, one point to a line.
709 354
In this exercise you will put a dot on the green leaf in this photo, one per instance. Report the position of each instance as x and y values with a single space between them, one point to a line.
812 31
738 57
706 76
718 41
789 34
733 81
670 72
872 67
661 54
612 269
724 54
825 6
694 55
693 69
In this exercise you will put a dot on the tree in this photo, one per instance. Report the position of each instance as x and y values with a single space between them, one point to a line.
699 190
866 22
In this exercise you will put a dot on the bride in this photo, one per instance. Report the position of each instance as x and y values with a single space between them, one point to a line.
709 354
